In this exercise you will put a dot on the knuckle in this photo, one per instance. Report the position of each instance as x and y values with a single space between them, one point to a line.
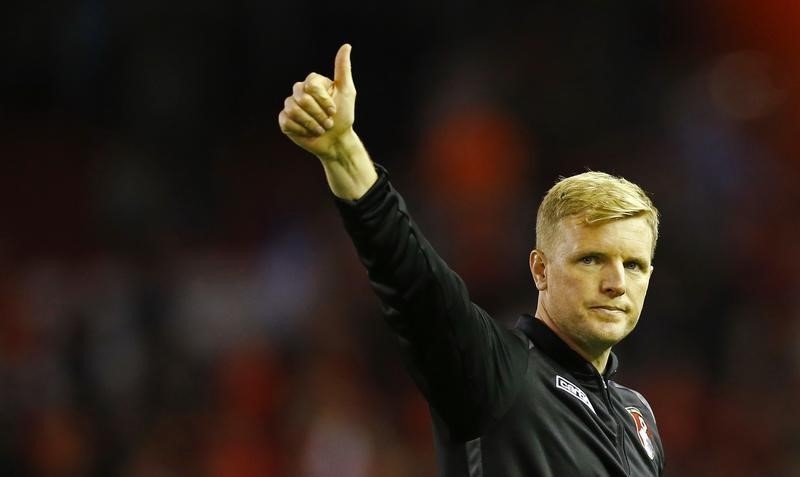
316 84
293 109
310 106
304 101
312 87
287 126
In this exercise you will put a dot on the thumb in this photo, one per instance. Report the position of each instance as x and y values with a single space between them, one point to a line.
342 74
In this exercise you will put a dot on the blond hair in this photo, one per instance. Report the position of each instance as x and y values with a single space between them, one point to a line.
594 197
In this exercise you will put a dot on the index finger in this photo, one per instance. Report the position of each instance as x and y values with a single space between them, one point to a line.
318 87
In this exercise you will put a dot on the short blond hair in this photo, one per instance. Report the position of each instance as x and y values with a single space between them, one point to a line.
594 197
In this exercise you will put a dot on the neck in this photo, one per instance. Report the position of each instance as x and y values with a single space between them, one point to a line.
597 358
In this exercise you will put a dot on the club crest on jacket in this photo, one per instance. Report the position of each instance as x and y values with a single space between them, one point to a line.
643 431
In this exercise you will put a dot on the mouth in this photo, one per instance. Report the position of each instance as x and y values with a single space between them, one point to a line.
610 309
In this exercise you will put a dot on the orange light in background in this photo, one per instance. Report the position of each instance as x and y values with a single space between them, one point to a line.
771 28
475 155
475 163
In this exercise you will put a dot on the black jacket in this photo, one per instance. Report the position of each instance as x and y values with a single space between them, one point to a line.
505 403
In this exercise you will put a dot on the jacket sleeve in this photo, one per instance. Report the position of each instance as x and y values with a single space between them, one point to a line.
467 366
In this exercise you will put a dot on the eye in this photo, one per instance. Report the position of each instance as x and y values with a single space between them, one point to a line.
589 260
633 265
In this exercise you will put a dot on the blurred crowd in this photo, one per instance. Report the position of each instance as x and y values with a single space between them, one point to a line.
178 297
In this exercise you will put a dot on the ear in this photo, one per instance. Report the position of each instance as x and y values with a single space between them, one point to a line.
538 263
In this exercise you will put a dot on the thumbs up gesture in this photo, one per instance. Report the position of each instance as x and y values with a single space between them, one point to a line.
320 112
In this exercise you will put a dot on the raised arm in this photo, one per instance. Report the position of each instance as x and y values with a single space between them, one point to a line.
319 117
463 361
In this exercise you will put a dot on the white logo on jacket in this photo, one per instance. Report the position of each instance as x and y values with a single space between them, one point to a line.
643 431
574 391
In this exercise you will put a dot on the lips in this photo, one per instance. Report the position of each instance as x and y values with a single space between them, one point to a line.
611 308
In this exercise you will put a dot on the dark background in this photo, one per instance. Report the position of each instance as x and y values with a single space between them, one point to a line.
178 297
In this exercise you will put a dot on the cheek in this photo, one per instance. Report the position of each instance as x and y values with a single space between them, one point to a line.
576 282
568 290
640 292
644 284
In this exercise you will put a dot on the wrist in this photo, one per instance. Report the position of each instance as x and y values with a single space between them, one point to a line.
347 147
348 167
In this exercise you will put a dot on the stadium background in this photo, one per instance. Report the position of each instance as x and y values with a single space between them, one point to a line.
177 296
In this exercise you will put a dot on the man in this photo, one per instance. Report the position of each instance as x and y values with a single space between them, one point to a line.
533 401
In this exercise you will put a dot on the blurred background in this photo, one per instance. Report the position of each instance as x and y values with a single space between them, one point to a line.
178 297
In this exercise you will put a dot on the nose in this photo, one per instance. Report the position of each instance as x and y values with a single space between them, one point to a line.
613 281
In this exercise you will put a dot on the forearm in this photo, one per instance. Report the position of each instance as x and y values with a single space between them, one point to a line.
464 362
349 169
403 267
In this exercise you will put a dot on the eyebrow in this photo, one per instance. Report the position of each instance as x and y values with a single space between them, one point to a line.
586 253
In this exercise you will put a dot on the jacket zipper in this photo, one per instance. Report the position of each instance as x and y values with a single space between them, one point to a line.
620 427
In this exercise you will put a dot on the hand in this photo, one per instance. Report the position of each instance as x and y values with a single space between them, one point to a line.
319 114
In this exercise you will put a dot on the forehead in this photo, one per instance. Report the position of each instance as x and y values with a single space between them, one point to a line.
629 237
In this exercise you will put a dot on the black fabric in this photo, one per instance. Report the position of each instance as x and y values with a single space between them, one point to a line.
518 402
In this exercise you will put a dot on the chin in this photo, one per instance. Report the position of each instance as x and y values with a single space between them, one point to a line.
611 333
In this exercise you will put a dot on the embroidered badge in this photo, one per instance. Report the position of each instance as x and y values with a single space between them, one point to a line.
574 391
644 432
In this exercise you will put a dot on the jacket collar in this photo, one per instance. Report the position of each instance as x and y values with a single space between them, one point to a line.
548 342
